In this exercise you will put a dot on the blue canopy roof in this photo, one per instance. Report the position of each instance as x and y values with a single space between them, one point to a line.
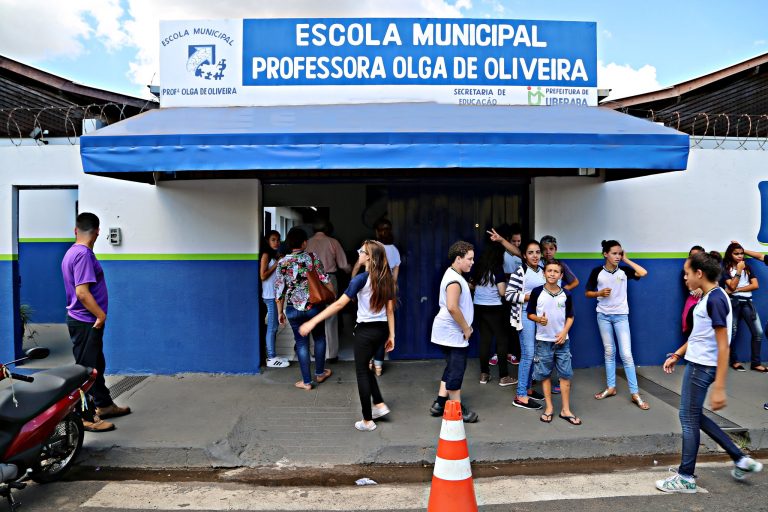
382 136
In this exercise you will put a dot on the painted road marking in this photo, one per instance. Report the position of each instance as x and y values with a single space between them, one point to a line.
492 491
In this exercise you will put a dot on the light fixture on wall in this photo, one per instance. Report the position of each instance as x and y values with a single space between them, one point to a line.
38 134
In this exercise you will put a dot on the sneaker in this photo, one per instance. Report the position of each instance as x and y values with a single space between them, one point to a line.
745 467
512 359
494 360
507 381
378 412
468 416
436 409
112 411
98 425
677 484
484 378
277 362
535 395
555 390
362 427
530 405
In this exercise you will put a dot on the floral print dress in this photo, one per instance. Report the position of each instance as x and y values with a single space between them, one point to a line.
291 281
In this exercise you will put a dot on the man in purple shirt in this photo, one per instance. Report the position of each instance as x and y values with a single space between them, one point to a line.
87 302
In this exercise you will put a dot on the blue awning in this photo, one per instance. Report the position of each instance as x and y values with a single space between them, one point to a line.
381 136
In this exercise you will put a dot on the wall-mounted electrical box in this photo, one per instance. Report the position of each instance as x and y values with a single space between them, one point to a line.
115 236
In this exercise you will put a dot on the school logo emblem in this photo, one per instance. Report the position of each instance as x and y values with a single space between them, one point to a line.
535 97
202 63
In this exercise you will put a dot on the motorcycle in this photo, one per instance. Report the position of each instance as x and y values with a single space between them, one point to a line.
41 432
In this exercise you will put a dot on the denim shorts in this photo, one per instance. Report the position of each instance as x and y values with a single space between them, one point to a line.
455 365
549 356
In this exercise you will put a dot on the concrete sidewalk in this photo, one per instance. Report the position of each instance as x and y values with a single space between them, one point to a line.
203 421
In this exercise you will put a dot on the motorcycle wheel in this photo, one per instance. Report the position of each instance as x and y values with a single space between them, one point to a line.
60 450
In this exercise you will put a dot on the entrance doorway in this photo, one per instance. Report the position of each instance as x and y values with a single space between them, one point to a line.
46 220
427 216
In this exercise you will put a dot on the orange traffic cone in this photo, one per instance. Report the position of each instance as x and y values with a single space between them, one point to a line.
452 487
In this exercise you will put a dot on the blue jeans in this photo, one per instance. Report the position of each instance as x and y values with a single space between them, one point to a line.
271 327
615 328
527 349
744 309
296 318
696 381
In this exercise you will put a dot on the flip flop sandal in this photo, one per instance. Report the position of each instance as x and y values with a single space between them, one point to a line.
546 418
322 377
604 394
300 384
573 420
642 404
760 369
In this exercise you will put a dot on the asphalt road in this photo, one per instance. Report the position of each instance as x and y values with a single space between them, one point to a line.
622 490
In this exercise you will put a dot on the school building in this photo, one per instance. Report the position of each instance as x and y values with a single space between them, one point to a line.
185 193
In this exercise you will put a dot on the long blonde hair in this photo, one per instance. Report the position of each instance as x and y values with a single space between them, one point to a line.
383 287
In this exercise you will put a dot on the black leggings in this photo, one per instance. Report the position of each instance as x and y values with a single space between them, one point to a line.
492 322
369 336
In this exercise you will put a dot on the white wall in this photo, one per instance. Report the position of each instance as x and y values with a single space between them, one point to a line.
180 217
716 200
47 213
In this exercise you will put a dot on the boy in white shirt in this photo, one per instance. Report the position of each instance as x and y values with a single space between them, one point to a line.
551 307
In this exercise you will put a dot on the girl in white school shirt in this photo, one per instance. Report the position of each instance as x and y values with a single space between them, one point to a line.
608 284
374 290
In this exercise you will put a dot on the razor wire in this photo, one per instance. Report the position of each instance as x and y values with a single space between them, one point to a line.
63 120
742 131
716 128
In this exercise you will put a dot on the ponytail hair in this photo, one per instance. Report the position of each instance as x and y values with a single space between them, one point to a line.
608 244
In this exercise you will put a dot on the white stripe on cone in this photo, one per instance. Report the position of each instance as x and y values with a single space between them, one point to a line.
453 470
452 430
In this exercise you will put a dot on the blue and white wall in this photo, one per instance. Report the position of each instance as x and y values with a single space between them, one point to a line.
46 220
657 219
183 284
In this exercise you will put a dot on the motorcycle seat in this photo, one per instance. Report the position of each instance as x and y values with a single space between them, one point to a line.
49 387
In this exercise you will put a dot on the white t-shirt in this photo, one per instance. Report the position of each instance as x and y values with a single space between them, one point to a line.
713 310
445 330
743 281
511 263
616 303
488 294
360 287
533 279
393 256
557 307
268 285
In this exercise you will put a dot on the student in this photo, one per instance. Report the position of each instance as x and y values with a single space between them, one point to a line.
692 297
510 237
740 282
374 290
519 288
453 327
383 230
706 354
569 282
491 313
267 267
551 308
608 284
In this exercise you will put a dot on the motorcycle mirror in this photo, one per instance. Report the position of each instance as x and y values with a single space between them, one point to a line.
37 353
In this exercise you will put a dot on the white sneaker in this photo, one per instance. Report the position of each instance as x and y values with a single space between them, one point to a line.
378 412
745 467
676 484
276 362
362 427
